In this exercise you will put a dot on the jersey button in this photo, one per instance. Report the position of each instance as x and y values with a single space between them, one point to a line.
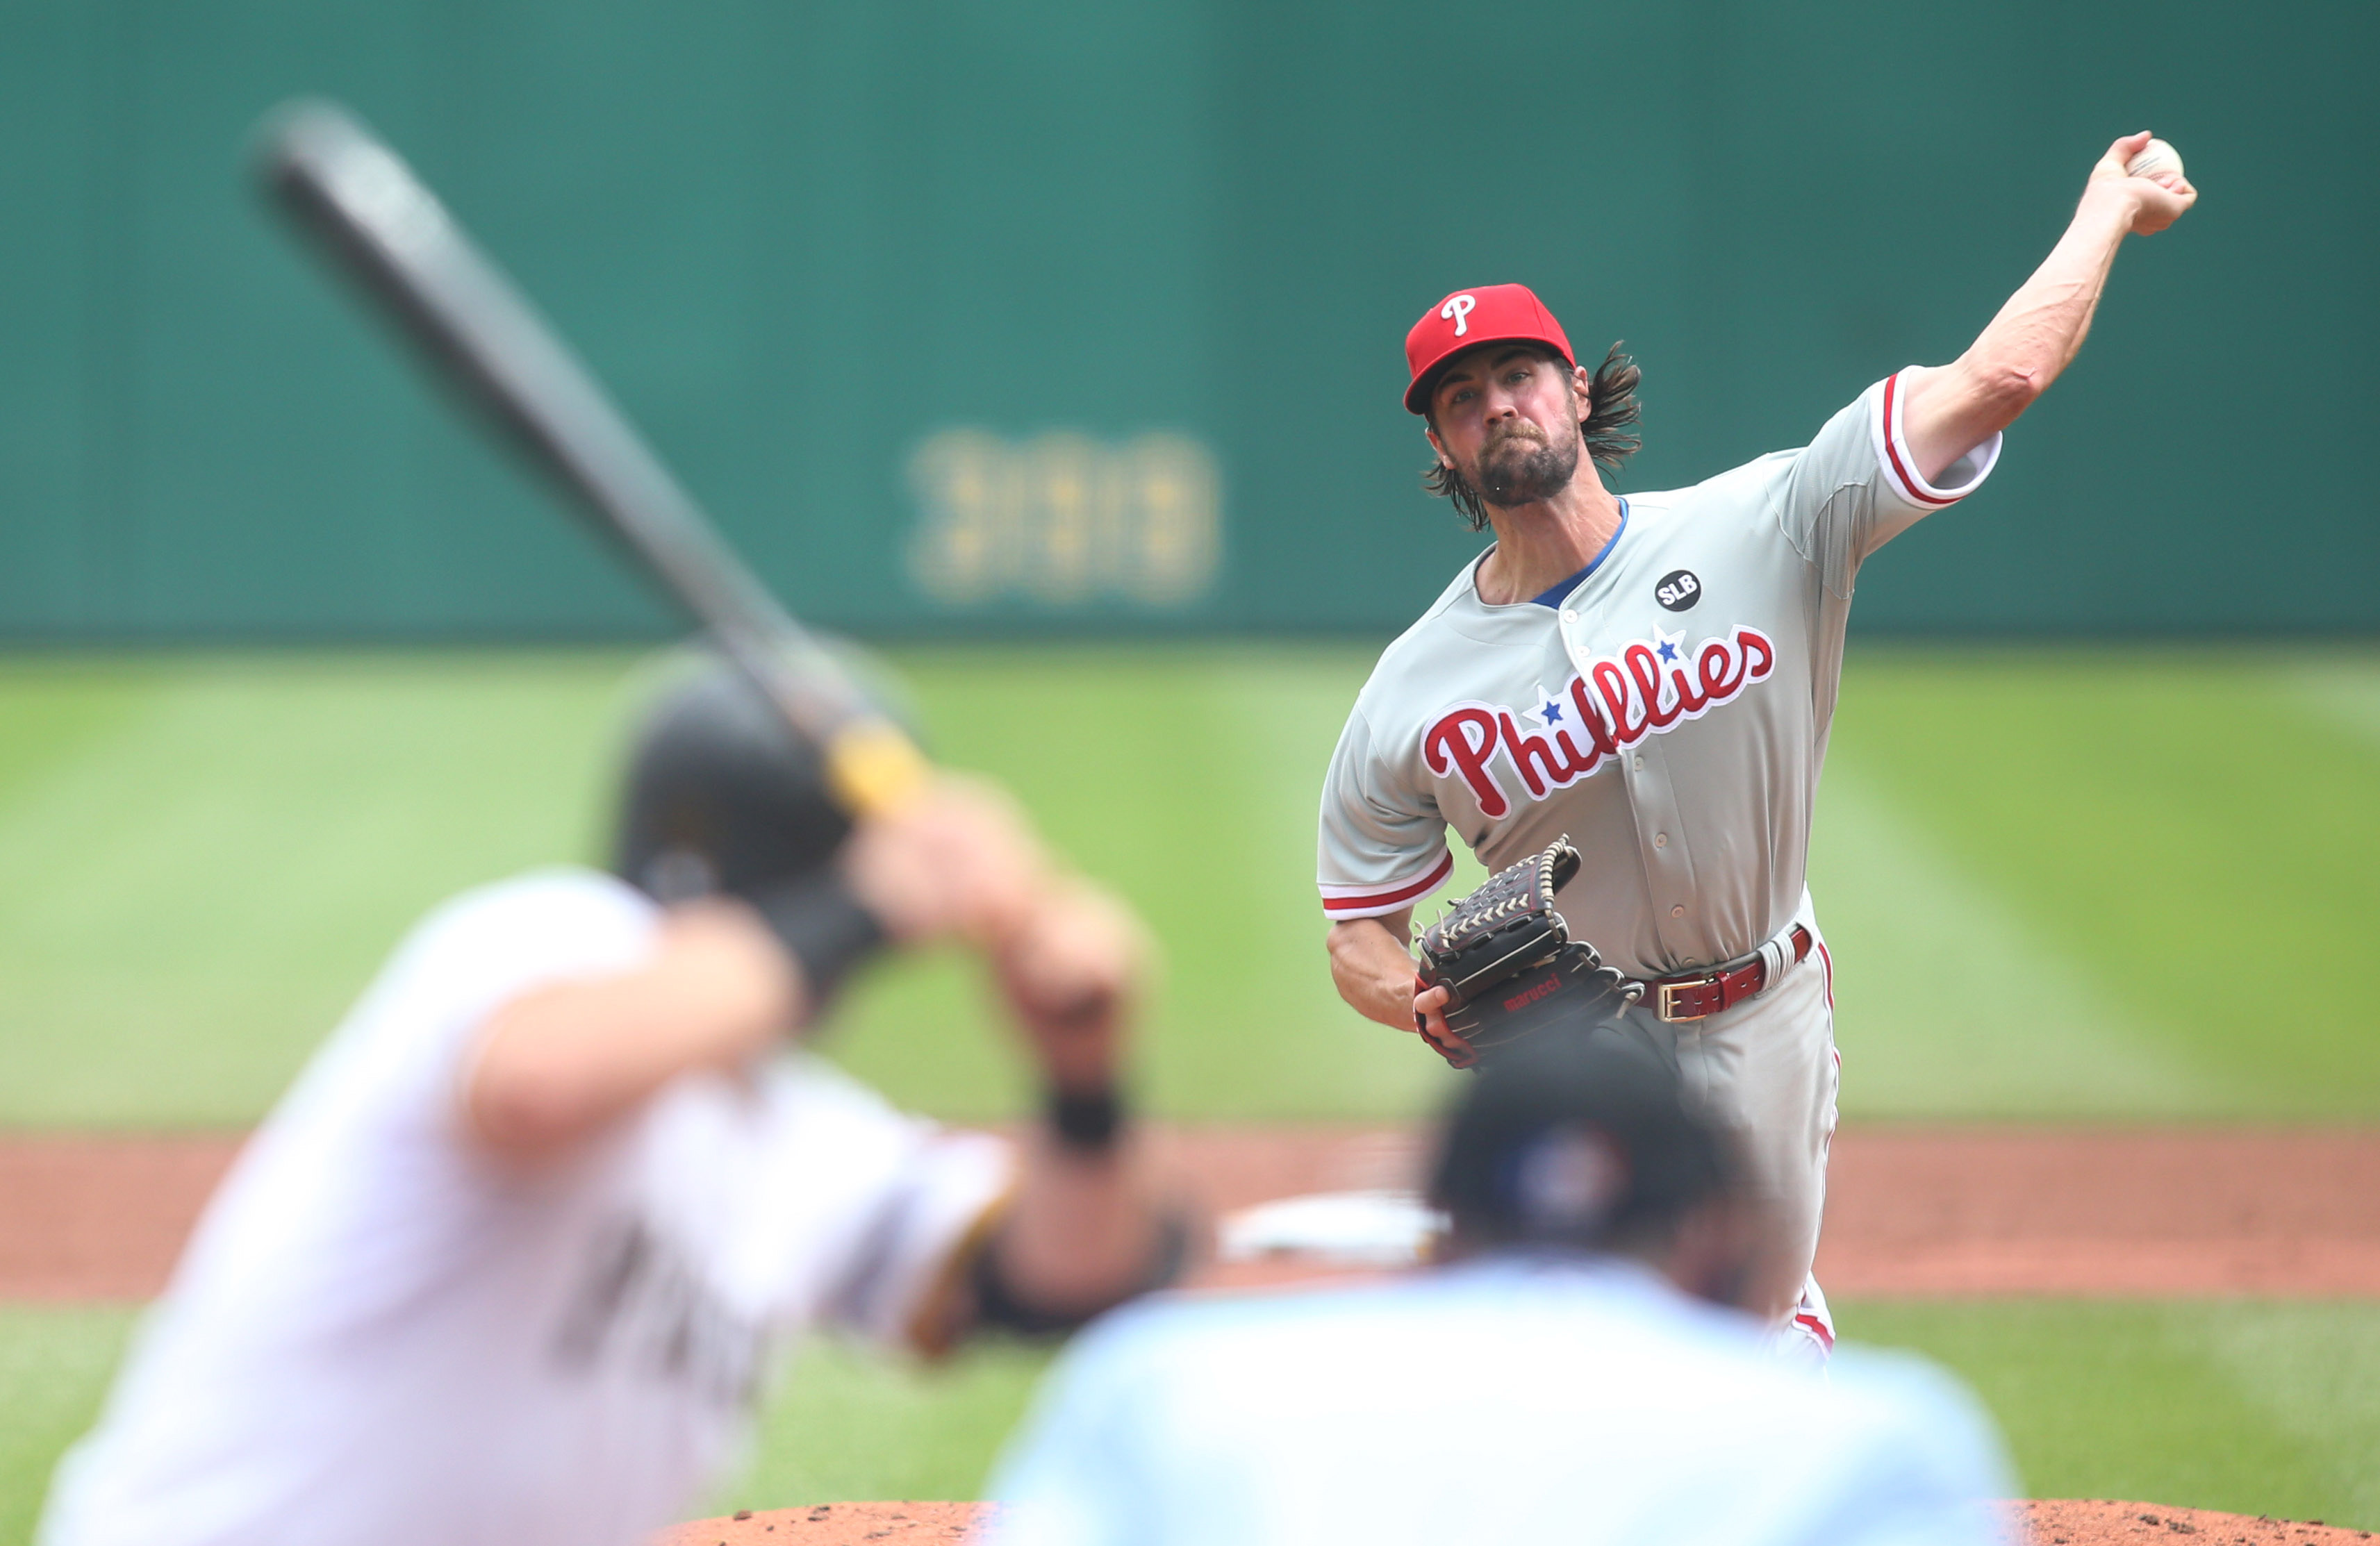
1640 762
1660 839
1569 616
1678 910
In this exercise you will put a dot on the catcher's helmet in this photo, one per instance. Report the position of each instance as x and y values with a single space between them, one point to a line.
722 794
1578 1136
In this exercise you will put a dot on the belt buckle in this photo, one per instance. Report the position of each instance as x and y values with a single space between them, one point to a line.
1665 1003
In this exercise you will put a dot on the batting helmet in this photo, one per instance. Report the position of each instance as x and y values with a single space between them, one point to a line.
722 794
1577 1137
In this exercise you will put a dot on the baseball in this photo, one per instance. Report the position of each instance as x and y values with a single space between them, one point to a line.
2155 159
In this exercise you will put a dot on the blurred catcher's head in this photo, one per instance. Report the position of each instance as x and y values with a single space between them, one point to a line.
722 794
1577 1137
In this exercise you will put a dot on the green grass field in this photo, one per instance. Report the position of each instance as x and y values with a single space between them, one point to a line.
2125 884
2255 1407
2252 1407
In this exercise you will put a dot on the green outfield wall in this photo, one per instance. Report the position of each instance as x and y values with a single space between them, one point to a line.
1054 317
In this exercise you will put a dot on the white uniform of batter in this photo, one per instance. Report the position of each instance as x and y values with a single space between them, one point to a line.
1668 710
381 1335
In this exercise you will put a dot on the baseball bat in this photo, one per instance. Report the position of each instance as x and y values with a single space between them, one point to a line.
379 224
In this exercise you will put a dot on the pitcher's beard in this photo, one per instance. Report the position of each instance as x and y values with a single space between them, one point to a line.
1522 469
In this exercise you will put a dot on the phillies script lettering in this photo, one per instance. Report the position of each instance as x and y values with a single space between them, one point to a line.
1644 687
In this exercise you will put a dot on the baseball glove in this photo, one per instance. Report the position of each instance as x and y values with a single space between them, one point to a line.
1508 964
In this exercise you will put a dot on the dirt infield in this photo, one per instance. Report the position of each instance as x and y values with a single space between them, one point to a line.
844 1524
1927 1212
2055 1522
1911 1212
99 1217
1941 1212
2093 1522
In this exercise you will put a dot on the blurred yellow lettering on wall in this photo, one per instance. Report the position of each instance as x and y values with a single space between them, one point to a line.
1065 520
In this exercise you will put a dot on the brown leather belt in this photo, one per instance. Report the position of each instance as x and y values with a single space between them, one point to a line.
1705 994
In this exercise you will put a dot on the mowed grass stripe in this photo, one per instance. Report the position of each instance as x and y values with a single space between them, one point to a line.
55 1364
2254 1407
56 709
2246 1405
2048 891
2185 825
198 890
1953 1001
1188 780
854 1423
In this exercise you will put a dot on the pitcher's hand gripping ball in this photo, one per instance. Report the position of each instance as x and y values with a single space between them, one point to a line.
1508 962
2157 160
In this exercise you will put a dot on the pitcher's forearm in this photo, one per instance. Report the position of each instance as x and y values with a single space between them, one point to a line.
1373 969
2036 334
2031 341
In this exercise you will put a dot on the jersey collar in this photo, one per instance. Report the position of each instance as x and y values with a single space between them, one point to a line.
1552 596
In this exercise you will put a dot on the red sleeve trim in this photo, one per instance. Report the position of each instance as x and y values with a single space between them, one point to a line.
1900 464
1345 901
1910 484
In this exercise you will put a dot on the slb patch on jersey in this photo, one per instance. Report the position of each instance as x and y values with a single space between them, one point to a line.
1678 590
1646 687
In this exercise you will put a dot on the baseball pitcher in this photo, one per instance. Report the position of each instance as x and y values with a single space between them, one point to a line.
1647 683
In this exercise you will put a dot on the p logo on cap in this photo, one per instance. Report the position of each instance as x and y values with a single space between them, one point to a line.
1467 319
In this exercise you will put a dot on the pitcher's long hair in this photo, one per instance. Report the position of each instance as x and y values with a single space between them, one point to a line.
1608 429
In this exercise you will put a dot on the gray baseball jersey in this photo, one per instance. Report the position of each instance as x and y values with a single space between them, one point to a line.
1670 715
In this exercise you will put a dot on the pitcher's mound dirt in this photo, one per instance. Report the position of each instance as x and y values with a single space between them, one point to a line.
2048 1522
2079 1522
842 1524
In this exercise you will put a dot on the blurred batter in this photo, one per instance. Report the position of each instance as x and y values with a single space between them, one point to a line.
512 1261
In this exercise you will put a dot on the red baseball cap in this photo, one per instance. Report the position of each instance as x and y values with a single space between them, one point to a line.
1489 314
